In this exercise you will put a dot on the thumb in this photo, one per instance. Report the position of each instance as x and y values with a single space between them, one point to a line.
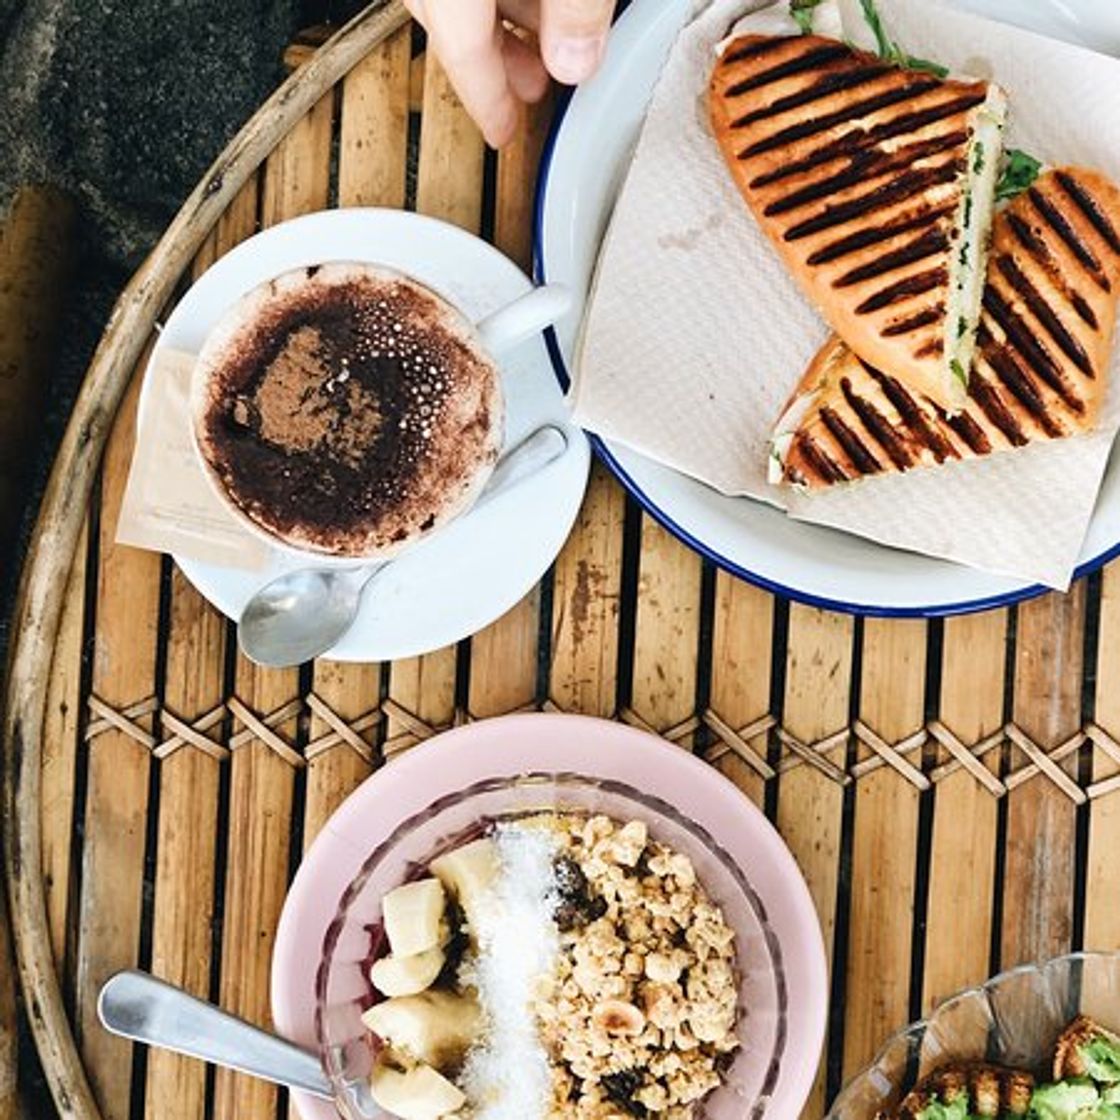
573 35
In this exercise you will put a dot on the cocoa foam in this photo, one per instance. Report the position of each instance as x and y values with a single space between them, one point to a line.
347 410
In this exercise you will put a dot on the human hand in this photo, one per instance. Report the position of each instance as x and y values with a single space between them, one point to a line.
490 55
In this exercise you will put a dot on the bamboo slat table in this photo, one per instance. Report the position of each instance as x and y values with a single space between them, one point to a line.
951 790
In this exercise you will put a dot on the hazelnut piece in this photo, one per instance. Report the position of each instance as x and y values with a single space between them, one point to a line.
615 1016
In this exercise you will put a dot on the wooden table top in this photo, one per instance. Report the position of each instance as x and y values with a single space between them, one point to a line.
949 789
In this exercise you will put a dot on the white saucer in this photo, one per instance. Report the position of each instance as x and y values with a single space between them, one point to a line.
469 574
805 562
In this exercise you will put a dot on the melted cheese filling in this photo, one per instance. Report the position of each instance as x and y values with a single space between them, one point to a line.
969 249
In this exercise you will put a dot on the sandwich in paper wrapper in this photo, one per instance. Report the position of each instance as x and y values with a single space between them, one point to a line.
706 325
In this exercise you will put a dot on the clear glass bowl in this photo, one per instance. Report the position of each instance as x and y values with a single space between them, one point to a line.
1012 1020
343 990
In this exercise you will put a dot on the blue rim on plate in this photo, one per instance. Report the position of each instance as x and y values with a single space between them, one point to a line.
599 446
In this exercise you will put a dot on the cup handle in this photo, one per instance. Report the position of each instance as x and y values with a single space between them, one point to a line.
525 316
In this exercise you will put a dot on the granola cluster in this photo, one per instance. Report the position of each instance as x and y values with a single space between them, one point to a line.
641 1017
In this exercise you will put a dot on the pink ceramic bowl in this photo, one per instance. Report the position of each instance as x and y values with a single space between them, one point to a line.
405 814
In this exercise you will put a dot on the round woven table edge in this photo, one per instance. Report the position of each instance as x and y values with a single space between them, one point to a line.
62 512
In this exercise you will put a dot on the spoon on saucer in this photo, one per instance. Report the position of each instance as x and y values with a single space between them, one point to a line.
302 614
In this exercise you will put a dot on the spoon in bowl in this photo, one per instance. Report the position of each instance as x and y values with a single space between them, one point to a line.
138 1006
302 614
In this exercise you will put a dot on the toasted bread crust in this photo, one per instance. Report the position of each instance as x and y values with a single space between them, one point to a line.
1067 1056
991 1091
998 1091
1067 1060
1041 369
854 168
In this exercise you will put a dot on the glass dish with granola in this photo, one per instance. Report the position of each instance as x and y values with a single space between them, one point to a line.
559 965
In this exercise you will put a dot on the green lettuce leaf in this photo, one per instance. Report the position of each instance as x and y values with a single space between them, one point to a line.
802 11
890 50
1019 172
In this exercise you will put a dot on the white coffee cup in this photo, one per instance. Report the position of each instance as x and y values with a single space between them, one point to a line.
344 411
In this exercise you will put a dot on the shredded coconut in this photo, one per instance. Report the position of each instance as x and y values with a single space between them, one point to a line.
507 1076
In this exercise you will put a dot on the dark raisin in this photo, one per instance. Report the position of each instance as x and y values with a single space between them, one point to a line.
621 1088
571 883
456 947
724 1061
568 917
575 1086
575 904
455 950
641 868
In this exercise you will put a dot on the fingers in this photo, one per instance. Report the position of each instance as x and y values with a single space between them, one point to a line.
573 35
523 13
527 76
468 39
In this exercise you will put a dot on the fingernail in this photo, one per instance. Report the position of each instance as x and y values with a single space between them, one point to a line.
572 60
502 130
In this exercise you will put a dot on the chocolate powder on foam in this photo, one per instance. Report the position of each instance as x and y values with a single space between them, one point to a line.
330 411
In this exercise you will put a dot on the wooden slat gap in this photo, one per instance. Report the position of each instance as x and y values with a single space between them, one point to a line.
1101 738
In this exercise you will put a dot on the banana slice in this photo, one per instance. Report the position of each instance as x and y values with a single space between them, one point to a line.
469 873
405 976
413 917
435 1027
415 1092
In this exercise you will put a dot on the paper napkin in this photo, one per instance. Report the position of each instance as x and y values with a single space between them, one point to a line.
696 334
168 505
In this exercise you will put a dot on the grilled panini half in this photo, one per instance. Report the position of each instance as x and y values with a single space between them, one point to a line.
1086 1049
1041 363
876 184
987 1091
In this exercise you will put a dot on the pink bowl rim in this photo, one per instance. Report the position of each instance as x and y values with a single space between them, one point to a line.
517 744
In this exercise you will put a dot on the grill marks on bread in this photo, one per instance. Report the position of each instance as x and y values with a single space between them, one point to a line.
855 169
1044 347
989 1091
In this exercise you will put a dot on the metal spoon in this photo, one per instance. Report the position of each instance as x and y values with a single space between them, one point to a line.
140 1007
302 614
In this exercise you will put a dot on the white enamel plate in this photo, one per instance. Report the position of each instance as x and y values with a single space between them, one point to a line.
471 572
805 562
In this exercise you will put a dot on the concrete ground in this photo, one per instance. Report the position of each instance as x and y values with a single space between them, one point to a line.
125 103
